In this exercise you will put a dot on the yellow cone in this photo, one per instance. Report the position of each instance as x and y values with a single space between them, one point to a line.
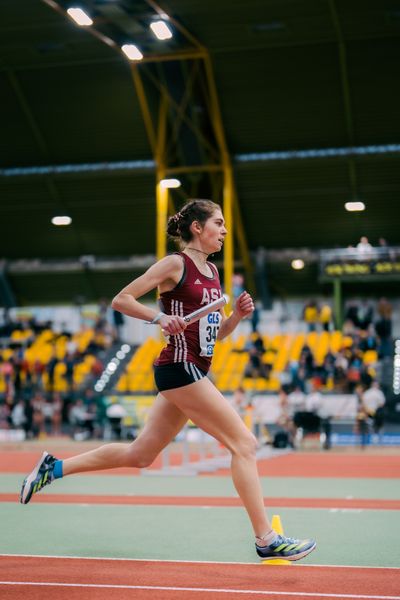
276 525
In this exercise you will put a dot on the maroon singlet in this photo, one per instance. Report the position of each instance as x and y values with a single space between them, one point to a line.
196 343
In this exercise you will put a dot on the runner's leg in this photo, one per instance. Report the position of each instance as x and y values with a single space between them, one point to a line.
208 409
164 422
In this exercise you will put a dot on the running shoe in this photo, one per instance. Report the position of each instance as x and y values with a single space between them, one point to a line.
41 475
286 548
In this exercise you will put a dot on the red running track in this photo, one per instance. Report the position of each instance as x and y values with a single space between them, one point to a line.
75 578
216 501
355 465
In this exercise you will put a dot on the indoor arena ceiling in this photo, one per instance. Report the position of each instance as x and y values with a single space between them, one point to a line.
309 100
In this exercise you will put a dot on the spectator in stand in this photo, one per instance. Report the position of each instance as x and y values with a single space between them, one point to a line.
57 414
7 371
256 367
351 318
386 252
97 367
320 418
303 419
103 308
340 371
383 328
307 360
101 416
90 422
78 417
300 378
116 413
69 362
28 425
89 396
48 414
297 401
37 374
237 285
368 340
310 315
118 320
287 429
354 371
361 425
361 315
19 367
383 249
72 346
8 324
325 316
328 369
349 254
364 249
5 416
255 317
374 401
50 368
240 400
38 414
18 416
365 315
258 343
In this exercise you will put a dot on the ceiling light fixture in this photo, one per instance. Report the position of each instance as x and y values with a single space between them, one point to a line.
161 30
80 17
297 264
170 183
61 220
354 206
132 52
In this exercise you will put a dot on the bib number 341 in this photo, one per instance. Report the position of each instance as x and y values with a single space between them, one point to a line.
208 332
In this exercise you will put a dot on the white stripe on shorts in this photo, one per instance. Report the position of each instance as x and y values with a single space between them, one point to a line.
195 375
198 371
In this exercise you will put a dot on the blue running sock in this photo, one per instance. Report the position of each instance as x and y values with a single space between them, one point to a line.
58 469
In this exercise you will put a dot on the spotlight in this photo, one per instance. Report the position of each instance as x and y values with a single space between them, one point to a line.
354 206
61 220
80 17
161 30
297 264
170 183
132 52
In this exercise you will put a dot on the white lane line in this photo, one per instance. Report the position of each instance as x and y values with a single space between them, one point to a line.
192 589
190 562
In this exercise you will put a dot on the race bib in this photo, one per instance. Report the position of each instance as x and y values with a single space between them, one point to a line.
208 332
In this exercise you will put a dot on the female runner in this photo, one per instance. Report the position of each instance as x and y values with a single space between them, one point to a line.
186 281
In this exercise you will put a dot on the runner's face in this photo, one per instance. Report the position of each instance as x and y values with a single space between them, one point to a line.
213 233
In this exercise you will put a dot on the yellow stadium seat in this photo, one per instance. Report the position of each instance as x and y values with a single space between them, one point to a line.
370 357
335 341
297 345
322 347
347 341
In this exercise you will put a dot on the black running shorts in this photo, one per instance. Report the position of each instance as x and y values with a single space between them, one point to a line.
176 375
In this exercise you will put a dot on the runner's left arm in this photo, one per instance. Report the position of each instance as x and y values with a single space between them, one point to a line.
244 306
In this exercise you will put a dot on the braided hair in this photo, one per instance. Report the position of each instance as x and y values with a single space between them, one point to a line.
178 226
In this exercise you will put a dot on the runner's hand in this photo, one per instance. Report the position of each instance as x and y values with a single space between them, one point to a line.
172 325
244 305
